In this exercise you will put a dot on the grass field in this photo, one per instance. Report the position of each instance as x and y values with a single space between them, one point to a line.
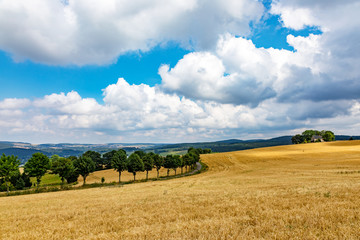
308 191
48 179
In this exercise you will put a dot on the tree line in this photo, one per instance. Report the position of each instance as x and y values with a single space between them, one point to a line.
69 169
307 136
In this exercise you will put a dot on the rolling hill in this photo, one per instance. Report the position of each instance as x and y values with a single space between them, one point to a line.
25 150
306 191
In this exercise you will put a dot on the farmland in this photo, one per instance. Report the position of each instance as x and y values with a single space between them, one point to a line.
303 191
110 175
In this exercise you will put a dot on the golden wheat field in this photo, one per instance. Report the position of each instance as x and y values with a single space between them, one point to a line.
307 191
110 175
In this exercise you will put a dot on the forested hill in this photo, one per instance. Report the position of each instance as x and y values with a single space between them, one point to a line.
345 137
25 150
233 144
226 145
25 153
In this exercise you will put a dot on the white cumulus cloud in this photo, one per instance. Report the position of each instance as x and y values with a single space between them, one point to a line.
96 32
130 113
227 87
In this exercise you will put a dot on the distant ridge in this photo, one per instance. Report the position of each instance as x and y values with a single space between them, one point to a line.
230 141
24 150
225 145
345 137
22 153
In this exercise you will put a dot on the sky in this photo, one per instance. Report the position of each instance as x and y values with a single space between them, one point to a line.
168 71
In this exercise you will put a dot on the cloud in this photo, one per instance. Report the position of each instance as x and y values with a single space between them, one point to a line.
133 113
306 109
322 68
228 76
227 87
14 103
71 103
241 74
328 15
130 112
85 32
318 80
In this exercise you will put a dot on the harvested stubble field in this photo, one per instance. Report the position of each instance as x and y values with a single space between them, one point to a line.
111 175
308 191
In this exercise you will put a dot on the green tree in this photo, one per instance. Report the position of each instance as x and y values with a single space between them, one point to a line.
9 165
191 149
26 179
135 164
158 163
307 135
169 163
62 166
206 151
53 158
37 166
119 162
328 136
72 158
195 157
140 153
96 157
84 166
73 175
297 139
187 160
107 158
148 160
181 164
176 162
20 181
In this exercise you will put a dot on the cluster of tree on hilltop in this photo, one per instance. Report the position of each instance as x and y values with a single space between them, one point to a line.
70 168
313 136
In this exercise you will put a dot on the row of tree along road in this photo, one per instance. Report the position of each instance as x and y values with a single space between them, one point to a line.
69 169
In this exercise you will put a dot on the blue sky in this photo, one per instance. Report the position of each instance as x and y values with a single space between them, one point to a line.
32 80
103 72
28 79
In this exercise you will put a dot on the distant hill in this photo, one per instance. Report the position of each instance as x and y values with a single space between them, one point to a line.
224 146
4 144
232 144
345 137
230 141
22 153
25 150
